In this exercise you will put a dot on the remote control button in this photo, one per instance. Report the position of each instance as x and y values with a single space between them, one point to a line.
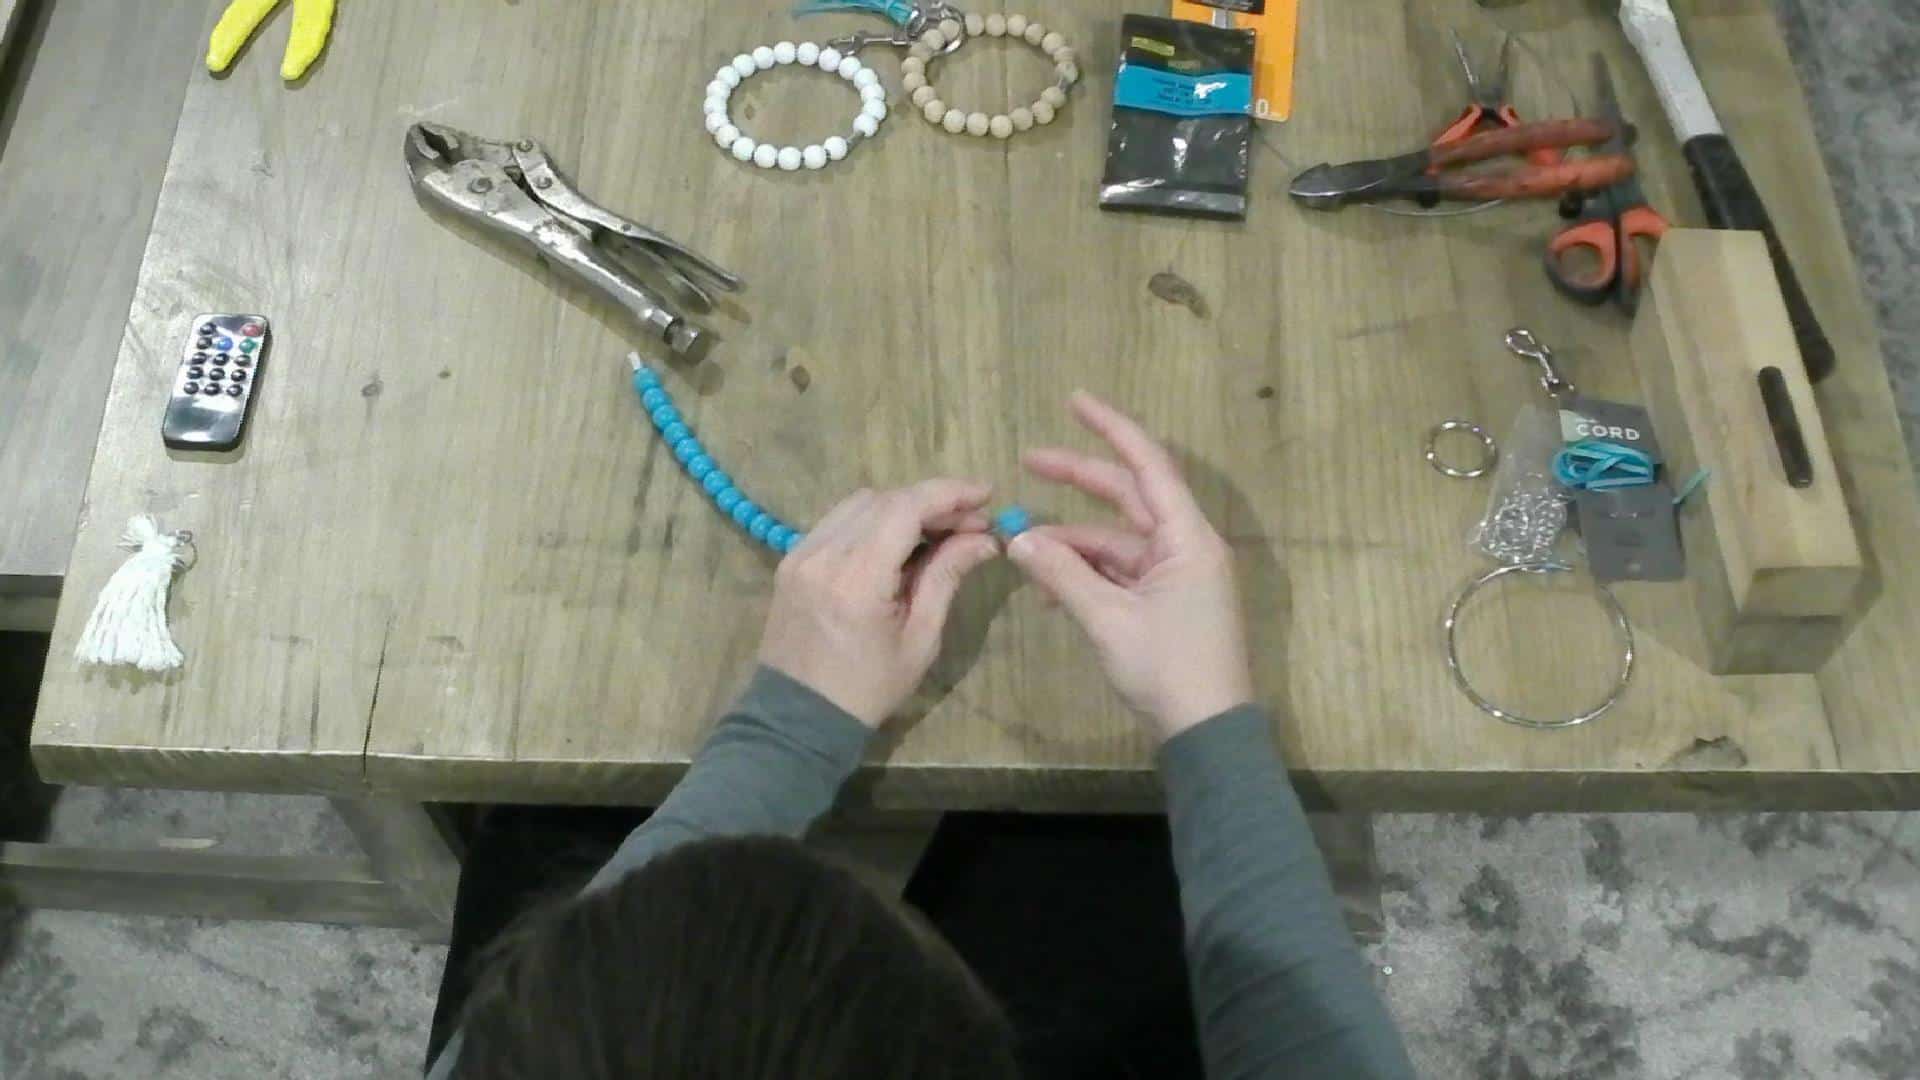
206 328
199 358
237 374
223 344
190 388
252 329
196 372
204 343
235 391
243 361
210 389
249 345
216 375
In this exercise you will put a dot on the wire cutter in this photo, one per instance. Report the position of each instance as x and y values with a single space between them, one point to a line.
513 188
1610 226
1422 174
1487 107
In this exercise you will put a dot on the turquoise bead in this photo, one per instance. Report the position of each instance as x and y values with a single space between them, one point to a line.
728 499
1011 522
757 528
665 415
743 512
700 466
791 541
725 480
777 537
715 482
654 397
685 449
644 377
674 433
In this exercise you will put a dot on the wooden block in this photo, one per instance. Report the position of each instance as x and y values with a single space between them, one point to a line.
1776 570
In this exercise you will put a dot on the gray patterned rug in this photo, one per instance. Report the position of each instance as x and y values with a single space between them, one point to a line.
1757 947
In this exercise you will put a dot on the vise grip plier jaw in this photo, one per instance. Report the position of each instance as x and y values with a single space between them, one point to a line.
512 187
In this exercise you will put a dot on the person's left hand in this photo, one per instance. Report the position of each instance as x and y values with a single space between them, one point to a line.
859 606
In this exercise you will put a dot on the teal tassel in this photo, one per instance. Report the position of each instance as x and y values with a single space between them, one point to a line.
899 11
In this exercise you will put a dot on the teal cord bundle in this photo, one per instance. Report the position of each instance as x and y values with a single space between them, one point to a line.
1600 465
898 11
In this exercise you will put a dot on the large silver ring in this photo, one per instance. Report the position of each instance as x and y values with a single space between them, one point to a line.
1489 457
1620 623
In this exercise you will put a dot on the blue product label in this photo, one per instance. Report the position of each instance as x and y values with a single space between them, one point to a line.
1223 94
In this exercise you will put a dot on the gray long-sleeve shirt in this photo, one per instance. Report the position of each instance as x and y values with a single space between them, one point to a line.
1278 987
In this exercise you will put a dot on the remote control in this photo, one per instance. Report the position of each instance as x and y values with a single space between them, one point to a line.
214 387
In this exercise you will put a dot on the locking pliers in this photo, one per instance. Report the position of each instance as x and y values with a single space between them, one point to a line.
514 188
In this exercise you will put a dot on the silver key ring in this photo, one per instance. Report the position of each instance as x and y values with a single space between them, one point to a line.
1620 623
1489 458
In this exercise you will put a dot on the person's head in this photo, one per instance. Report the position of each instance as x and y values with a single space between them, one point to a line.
732 958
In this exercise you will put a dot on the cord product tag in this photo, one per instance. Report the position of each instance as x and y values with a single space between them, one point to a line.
1609 421
1632 534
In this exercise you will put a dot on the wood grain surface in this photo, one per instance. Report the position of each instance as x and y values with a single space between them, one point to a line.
87 115
452 561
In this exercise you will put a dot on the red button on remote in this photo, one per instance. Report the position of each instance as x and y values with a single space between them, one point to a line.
252 329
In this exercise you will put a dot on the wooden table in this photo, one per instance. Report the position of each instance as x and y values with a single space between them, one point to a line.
89 93
451 561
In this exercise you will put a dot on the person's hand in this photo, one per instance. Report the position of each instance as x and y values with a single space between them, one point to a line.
859 605
1155 595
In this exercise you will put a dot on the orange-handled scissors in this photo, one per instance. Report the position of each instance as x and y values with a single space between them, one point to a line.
1610 229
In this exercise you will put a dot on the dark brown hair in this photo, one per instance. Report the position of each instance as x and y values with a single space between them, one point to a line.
742 957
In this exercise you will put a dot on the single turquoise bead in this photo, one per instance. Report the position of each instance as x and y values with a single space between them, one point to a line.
715 482
700 466
728 499
743 512
675 432
1011 522
725 480
777 537
665 415
644 377
757 528
685 449
653 397
791 541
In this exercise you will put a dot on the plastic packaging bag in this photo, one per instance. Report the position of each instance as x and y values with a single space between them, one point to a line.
1527 510
1181 129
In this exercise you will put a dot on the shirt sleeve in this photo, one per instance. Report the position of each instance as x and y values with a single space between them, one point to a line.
773 765
1279 987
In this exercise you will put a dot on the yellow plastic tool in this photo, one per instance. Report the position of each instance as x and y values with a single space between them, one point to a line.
312 22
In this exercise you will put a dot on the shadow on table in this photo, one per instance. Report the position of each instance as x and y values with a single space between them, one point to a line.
26 804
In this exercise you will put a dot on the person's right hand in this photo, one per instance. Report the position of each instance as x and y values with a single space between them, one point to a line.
1156 596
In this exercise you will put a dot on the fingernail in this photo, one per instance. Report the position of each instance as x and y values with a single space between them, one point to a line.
1020 547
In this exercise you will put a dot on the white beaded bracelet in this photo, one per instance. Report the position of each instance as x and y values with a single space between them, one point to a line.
866 124
936 41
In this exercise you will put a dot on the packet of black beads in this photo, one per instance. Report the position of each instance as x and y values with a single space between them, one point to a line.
1181 121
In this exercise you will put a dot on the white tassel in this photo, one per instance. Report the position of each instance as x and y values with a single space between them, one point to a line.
129 621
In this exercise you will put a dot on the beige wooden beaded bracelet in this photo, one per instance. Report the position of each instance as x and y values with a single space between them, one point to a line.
934 42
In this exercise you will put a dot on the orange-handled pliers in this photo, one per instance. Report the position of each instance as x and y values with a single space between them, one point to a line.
1610 228
1487 106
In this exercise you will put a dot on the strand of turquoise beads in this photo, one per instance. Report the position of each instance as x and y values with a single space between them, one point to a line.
701 467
